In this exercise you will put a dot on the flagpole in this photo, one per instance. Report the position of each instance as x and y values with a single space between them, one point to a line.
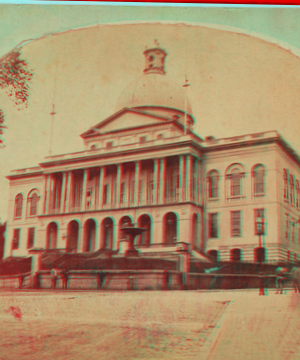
185 86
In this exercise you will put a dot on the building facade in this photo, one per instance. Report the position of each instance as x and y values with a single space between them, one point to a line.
146 165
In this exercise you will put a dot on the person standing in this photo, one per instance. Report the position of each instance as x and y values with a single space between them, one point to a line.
65 277
280 278
54 274
295 274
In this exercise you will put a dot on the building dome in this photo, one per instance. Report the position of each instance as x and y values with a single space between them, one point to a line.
154 88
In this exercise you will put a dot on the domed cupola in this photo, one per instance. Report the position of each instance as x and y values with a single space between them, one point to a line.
155 93
155 61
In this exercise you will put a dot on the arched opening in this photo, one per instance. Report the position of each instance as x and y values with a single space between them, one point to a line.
125 221
72 239
196 231
214 254
170 225
32 203
89 235
18 205
235 255
144 222
107 233
52 236
259 254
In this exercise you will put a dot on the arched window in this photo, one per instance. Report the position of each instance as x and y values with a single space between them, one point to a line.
235 176
259 180
32 203
235 255
285 185
213 184
18 205
260 254
236 186
214 254
160 136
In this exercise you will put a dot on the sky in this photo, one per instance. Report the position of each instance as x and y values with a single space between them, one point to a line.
240 83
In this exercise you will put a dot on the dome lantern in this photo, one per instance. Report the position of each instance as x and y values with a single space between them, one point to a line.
155 61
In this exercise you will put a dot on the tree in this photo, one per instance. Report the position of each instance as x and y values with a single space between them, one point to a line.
15 77
2 239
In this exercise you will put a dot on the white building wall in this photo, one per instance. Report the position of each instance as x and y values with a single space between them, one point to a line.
248 157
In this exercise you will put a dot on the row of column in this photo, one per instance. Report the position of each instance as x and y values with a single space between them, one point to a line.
188 168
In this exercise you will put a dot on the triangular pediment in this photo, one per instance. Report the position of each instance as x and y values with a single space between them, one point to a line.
122 120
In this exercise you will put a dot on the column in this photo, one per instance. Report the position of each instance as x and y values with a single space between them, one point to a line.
182 177
84 190
101 188
196 179
199 182
63 193
155 181
129 187
163 180
68 192
189 174
119 184
47 190
51 202
137 182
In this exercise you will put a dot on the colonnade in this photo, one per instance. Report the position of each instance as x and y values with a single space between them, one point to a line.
71 191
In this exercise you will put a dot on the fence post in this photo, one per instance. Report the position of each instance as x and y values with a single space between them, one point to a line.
184 265
36 264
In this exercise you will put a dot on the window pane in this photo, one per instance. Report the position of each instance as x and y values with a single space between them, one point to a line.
16 239
236 223
30 241
213 225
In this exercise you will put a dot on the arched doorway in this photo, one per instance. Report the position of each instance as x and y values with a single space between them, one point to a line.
124 221
170 226
214 254
52 236
107 233
145 222
260 254
196 231
235 255
72 239
89 235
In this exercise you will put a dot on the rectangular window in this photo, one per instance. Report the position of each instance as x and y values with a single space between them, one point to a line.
109 144
30 240
143 139
236 189
259 221
213 225
235 223
293 225
16 239
122 192
140 190
132 191
286 226
105 194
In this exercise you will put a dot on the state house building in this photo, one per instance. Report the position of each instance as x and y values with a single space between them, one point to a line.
146 165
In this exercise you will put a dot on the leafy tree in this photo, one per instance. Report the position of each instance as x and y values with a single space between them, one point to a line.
15 77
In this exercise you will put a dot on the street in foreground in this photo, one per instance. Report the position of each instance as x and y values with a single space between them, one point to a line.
154 325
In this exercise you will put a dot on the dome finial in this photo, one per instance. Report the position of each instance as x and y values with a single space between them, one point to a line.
155 60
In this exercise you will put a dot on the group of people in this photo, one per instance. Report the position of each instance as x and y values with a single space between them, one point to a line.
64 275
282 275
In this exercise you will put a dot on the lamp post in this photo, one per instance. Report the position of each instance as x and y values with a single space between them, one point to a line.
260 230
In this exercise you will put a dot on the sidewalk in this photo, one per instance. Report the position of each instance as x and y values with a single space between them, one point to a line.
259 327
